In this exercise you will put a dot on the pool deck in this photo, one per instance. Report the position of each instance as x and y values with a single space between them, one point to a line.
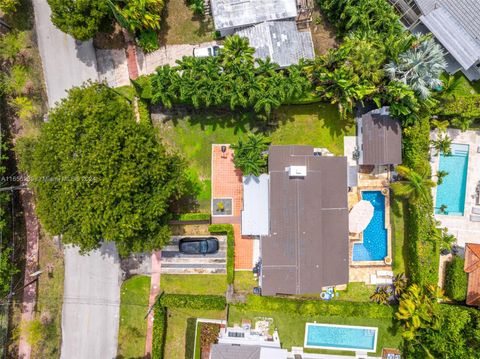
377 180
461 227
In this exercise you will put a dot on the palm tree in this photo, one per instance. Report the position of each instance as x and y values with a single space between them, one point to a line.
419 67
380 296
443 145
399 284
414 186
441 174
463 123
236 51
249 155
441 125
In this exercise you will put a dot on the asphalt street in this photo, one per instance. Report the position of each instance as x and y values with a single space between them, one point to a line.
91 304
66 62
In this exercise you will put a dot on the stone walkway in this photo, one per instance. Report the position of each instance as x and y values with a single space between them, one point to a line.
227 183
154 291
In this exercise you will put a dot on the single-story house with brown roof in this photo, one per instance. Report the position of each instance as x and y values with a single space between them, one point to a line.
472 268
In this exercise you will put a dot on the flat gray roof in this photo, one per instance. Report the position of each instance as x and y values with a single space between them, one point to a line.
230 351
307 247
381 139
236 13
255 205
279 40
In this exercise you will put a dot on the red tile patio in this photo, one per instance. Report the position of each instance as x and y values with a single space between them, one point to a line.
227 183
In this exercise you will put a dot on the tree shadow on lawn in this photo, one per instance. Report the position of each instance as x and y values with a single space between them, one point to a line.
190 338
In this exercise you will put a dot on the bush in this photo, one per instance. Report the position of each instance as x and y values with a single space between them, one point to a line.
456 280
208 334
204 302
159 331
195 217
228 229
148 41
310 308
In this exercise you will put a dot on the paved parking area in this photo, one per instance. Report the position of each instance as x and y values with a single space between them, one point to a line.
174 262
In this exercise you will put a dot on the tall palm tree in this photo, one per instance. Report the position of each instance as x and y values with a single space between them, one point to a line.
419 67
443 144
399 284
414 186
441 174
236 51
381 295
441 125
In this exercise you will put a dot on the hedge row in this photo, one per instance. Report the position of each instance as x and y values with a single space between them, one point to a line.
228 229
308 308
194 217
190 301
423 253
159 331
456 280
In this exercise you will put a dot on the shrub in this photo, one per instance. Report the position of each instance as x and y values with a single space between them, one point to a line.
9 6
208 334
209 302
228 229
195 217
25 107
148 41
250 154
456 280
159 331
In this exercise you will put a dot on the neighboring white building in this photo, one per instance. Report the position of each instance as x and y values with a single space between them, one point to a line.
255 221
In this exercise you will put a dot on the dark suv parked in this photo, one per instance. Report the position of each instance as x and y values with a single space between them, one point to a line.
198 245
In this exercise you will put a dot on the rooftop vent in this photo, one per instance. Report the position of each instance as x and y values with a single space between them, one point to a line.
297 171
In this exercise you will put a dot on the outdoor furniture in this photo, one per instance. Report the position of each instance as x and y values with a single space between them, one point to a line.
475 218
384 273
379 280
476 210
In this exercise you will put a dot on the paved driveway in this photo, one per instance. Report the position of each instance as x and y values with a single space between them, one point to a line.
91 303
174 262
66 62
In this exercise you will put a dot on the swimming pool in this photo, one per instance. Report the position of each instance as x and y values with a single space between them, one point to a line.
335 337
374 245
451 192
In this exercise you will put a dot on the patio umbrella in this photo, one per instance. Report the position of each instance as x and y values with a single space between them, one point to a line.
360 216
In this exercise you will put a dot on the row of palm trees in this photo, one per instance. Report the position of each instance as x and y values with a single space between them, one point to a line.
234 78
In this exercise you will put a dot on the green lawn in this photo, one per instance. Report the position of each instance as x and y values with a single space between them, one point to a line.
200 284
180 338
398 234
315 124
133 308
291 328
244 282
356 292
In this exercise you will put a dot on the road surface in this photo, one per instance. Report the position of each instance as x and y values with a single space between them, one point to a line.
66 62
91 303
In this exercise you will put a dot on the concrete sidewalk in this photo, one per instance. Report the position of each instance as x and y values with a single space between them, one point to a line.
154 291
66 62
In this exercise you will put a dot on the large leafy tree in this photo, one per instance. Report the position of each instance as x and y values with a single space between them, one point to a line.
80 18
414 186
103 177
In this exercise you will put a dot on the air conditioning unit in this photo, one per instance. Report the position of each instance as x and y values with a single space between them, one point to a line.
297 171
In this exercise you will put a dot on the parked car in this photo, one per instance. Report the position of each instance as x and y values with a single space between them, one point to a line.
198 245
207 51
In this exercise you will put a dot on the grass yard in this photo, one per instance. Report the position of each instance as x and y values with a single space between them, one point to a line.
244 282
315 124
356 292
398 235
181 26
50 299
199 284
291 328
133 307
180 338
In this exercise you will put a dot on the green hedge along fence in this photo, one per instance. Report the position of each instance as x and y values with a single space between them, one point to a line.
228 229
456 280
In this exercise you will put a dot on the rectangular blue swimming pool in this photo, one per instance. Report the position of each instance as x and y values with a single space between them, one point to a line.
451 192
375 236
340 337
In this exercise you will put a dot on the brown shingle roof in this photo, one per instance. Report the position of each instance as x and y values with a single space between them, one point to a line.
472 267
307 247
381 140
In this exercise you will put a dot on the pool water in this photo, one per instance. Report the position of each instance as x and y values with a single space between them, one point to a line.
374 245
454 186
329 336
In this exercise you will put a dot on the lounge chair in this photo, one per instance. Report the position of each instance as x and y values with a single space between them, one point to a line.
475 218
384 273
476 210
376 280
